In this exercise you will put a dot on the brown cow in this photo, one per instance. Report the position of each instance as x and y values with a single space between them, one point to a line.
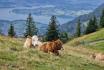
43 48
58 44
28 42
52 47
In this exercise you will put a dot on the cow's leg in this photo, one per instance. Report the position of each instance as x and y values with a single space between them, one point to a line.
56 52
62 48
49 52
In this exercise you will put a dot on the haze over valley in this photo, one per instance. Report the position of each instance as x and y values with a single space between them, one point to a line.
42 10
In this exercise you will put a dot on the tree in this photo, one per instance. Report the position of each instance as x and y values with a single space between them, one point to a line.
1 31
89 26
30 27
95 23
64 37
53 32
92 26
78 29
102 20
11 31
83 29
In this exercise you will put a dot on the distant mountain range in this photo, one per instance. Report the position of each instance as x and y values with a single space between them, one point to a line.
16 12
68 27
65 10
20 26
71 25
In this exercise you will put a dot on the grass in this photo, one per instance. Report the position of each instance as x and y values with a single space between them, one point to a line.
93 41
14 57
98 46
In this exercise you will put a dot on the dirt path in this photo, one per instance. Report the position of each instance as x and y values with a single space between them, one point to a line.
92 43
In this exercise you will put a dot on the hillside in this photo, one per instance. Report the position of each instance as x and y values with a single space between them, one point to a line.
93 41
14 57
71 25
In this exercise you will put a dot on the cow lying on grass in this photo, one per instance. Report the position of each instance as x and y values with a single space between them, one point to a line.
98 56
32 42
35 41
52 47
48 47
28 42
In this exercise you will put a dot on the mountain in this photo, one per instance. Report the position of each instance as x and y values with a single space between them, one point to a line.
71 25
65 10
42 10
19 26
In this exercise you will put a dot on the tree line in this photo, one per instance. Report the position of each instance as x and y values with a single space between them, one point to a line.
93 25
53 30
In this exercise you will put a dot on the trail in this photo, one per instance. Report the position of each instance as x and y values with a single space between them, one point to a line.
95 42
92 42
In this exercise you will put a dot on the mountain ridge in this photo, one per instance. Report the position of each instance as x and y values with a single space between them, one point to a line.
71 25
19 26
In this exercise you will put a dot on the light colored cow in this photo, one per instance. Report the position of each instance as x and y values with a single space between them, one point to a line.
35 41
98 56
28 42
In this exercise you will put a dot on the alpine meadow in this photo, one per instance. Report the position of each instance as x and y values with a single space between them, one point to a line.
51 34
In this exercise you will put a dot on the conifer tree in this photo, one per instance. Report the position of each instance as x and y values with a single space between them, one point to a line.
53 32
30 27
92 26
64 37
102 20
95 23
78 29
11 31
1 31
89 27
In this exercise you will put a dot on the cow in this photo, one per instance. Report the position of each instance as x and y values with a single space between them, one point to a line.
43 48
98 56
28 42
58 44
52 47
35 41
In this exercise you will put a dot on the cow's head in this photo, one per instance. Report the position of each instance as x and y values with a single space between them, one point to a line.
58 44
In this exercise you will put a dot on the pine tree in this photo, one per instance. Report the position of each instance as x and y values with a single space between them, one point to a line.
102 20
30 27
92 26
1 31
64 37
95 23
11 31
89 26
78 29
83 29
53 32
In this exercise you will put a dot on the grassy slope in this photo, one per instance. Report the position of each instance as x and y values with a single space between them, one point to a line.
14 57
94 41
